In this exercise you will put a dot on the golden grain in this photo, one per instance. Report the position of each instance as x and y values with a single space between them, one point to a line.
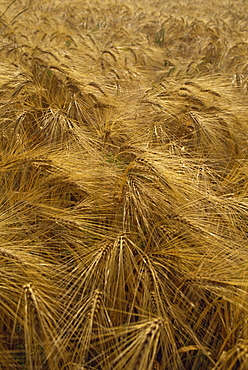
123 185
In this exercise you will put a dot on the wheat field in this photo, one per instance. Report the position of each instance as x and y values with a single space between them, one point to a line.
123 178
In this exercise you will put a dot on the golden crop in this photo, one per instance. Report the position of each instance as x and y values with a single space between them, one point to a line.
123 185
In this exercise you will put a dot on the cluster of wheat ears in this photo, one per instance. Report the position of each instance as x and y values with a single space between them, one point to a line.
123 185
